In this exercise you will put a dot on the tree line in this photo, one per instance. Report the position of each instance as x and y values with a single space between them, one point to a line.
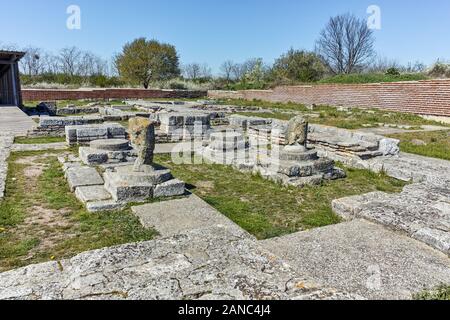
345 46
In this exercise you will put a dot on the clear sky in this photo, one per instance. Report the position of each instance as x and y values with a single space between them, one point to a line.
212 31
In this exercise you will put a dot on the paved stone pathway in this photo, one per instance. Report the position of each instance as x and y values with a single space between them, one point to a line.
40 147
177 216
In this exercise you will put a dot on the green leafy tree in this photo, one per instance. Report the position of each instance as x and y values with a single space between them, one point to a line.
144 61
298 65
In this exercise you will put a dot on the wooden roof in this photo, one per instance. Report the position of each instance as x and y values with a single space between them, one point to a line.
10 56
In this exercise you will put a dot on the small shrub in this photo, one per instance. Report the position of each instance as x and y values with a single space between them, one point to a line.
392 72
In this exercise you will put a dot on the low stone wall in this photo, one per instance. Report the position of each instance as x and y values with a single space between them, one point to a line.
75 111
106 94
56 125
430 97
84 134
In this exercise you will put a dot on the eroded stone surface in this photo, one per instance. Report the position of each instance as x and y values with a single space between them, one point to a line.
181 215
81 177
92 193
364 258
422 211
202 264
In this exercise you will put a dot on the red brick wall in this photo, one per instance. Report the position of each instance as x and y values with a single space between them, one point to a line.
430 97
43 95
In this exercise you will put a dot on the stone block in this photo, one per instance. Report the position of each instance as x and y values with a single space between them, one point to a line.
92 193
91 156
81 177
169 189
110 144
105 205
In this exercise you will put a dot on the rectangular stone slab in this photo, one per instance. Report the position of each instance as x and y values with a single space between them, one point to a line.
81 177
92 193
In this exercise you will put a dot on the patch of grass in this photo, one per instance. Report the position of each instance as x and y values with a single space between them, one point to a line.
437 143
373 78
356 118
38 140
267 209
40 219
440 293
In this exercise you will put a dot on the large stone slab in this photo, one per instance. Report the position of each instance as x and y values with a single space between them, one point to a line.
177 216
364 258
82 177
213 263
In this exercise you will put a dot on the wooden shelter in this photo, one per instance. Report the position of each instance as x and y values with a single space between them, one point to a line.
10 92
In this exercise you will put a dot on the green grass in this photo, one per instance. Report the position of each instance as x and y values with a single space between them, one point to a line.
38 140
330 116
25 239
373 78
440 293
437 143
266 209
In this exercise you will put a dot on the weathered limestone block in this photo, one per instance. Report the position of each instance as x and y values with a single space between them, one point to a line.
61 122
84 134
92 193
245 122
170 188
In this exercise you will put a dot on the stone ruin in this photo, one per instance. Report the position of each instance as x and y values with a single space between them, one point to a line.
184 126
143 179
228 148
129 172
294 164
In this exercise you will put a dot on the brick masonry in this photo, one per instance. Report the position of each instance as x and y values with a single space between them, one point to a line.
45 95
429 97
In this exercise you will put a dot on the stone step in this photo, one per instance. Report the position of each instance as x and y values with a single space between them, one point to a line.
82 177
92 194
422 211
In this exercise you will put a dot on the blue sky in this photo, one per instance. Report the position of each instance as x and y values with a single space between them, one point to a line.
216 30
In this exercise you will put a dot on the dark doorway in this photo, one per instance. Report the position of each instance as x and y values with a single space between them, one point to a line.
10 91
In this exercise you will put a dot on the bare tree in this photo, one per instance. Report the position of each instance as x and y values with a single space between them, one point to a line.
382 64
34 62
196 71
227 69
346 44
69 59
91 64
